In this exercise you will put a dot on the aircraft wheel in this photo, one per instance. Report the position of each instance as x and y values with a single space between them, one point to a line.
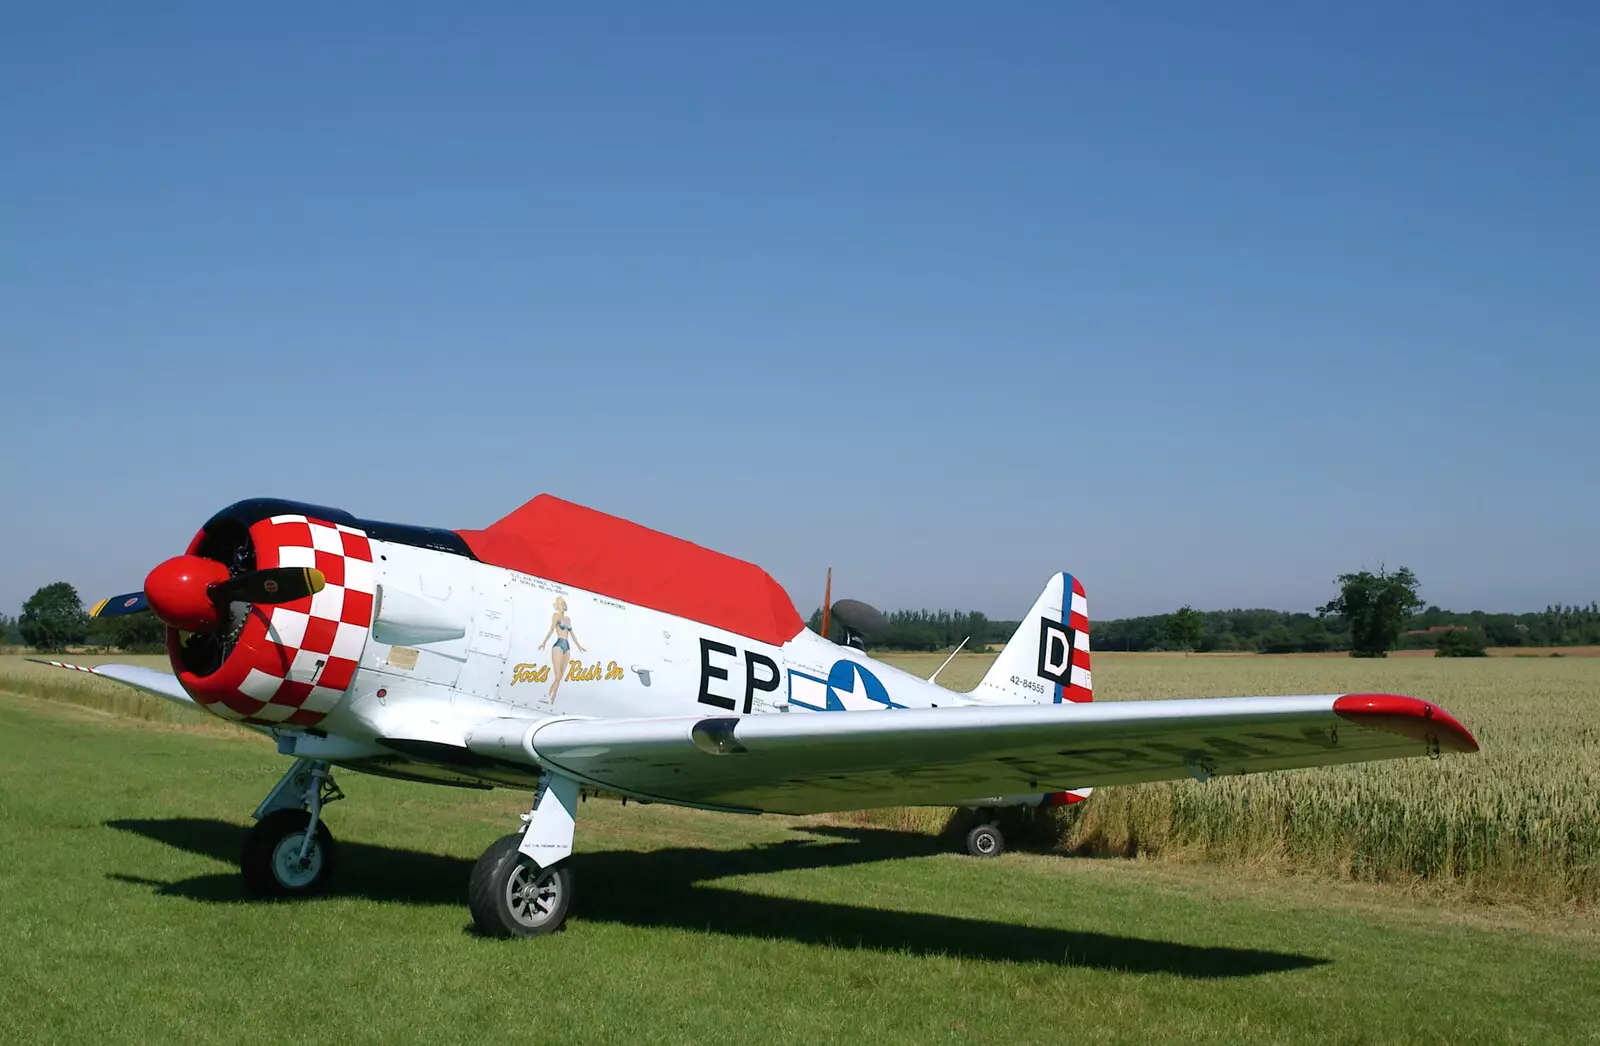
511 896
271 860
985 841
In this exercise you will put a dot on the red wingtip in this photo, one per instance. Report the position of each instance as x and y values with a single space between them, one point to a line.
1407 716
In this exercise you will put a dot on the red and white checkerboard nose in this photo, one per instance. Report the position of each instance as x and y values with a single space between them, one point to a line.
293 662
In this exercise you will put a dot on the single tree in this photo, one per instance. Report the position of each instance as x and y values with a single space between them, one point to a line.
1185 626
53 617
1376 606
138 633
975 631
1466 642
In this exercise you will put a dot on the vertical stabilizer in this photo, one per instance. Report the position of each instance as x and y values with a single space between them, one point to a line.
1047 659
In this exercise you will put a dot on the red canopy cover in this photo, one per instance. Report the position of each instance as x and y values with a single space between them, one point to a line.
578 546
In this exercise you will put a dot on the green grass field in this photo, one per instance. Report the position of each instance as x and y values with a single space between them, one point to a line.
128 922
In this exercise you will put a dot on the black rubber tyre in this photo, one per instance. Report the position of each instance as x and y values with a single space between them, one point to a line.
269 860
985 841
511 896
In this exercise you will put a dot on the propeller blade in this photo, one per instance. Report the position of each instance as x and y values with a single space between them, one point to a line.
267 587
827 602
116 606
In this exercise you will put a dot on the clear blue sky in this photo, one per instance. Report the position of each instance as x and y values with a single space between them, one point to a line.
1204 303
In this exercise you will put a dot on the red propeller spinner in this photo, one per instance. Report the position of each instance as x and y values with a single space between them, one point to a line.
179 591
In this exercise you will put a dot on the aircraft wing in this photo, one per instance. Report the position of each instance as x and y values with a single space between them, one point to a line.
150 680
800 763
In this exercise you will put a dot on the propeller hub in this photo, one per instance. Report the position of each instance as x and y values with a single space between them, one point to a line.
179 594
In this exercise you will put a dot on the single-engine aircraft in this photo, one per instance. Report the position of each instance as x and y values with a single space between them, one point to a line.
573 653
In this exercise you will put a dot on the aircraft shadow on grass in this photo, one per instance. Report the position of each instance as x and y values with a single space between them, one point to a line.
667 888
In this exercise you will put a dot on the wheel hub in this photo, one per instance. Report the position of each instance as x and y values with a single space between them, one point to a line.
533 895
287 865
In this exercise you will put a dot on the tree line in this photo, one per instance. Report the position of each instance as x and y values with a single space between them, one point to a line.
928 629
1374 613
1285 632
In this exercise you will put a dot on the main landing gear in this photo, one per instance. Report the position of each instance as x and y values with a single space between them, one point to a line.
512 896
290 852
985 839
519 888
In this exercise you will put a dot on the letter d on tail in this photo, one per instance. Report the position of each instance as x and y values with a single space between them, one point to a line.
1047 660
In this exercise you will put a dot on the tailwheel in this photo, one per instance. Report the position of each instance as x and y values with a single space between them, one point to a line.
511 896
985 841
279 861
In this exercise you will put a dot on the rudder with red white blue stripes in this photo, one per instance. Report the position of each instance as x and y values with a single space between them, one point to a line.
1047 659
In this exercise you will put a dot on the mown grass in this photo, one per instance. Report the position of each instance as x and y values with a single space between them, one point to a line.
1519 820
126 923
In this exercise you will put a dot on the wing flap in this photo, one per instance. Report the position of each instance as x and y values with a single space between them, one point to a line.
817 763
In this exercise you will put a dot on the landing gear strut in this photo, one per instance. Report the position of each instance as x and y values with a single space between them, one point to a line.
290 852
519 887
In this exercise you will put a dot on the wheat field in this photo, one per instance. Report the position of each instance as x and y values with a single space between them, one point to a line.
1518 821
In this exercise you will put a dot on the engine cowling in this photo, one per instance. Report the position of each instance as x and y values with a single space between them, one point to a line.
289 663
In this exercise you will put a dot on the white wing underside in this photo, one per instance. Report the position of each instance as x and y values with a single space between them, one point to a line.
151 681
826 762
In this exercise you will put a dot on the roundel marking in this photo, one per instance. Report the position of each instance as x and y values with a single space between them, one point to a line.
852 686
